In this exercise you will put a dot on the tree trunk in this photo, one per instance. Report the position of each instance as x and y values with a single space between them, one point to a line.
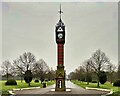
111 82
7 76
29 83
98 80
41 81
111 79
21 79
87 83
98 84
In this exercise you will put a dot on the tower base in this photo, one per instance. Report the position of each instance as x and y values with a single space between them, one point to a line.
67 90
60 79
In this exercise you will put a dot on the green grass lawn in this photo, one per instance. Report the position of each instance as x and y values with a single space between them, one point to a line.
23 85
94 85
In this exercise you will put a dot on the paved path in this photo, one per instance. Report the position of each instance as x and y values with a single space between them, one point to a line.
72 85
76 91
68 85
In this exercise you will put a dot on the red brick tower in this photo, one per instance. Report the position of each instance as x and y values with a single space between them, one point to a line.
60 40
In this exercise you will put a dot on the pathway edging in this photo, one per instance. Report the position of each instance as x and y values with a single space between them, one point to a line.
19 89
100 89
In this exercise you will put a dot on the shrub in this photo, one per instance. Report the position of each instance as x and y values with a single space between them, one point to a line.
103 77
28 76
36 81
82 79
94 81
117 83
11 82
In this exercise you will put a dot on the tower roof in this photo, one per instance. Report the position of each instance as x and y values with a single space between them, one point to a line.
60 23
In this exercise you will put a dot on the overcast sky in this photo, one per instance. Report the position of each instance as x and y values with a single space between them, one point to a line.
30 27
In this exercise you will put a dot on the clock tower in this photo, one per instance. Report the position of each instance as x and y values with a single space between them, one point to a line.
60 40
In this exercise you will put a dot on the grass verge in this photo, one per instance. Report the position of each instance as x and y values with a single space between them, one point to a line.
6 88
94 85
23 85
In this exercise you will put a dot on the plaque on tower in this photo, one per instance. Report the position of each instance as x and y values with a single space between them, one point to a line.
60 40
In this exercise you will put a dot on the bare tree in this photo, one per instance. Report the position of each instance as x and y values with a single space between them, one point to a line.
70 75
88 70
81 73
78 74
6 68
111 69
119 70
99 62
23 63
73 76
13 71
51 74
19 68
27 60
40 69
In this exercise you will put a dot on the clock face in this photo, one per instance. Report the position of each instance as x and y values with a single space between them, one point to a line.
60 35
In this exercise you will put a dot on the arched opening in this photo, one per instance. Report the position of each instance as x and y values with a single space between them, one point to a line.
60 84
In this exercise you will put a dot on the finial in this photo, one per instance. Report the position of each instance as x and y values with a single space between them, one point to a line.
60 12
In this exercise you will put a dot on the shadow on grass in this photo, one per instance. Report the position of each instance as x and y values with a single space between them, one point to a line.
5 93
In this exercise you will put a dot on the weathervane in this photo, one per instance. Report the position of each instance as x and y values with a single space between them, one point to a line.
60 11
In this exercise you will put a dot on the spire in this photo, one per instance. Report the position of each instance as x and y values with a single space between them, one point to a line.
60 23
60 12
